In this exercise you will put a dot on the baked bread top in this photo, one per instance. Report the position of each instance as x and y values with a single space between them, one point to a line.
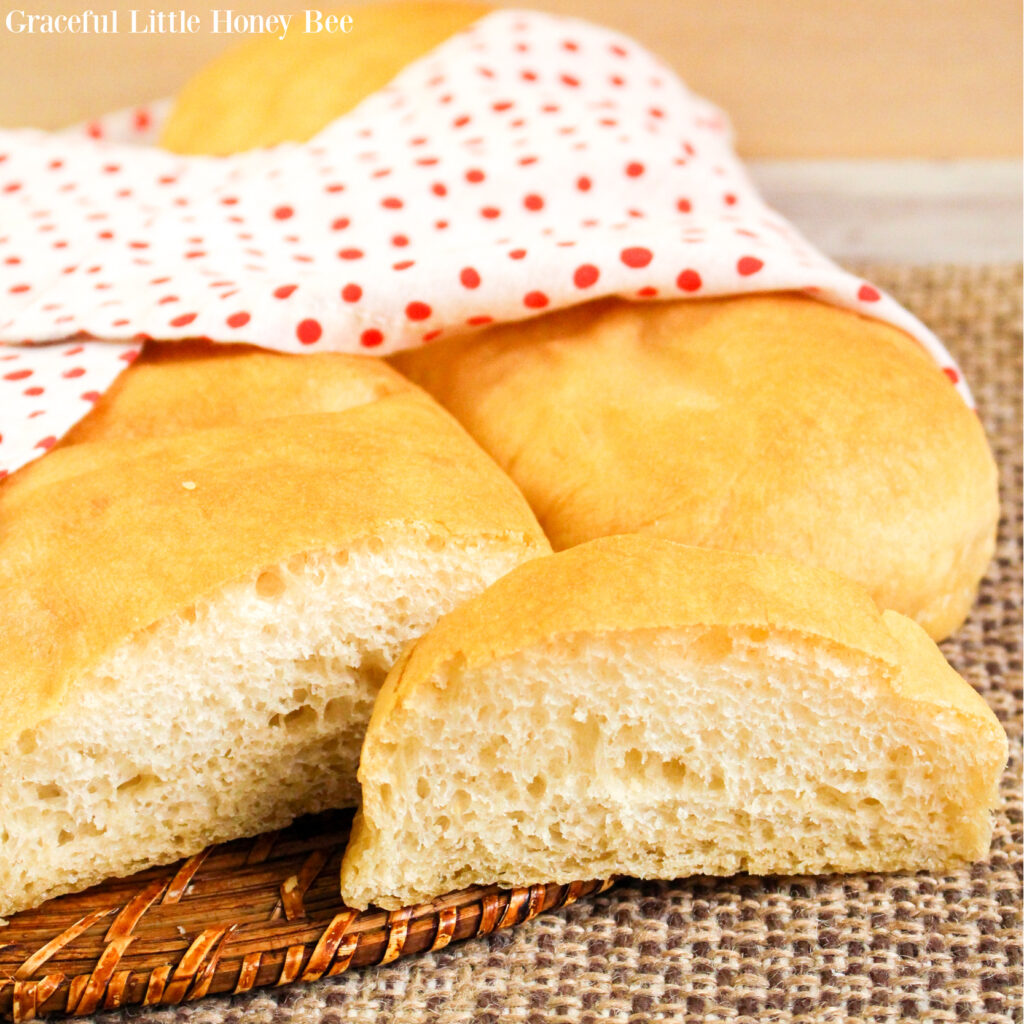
275 90
189 385
104 539
759 423
638 582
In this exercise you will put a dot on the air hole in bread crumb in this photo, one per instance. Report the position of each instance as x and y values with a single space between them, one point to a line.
375 545
49 791
829 796
337 711
495 752
84 830
537 787
435 543
28 742
269 585
301 718
713 646
138 782
422 787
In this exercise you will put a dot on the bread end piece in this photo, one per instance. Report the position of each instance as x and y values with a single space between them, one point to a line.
200 663
671 736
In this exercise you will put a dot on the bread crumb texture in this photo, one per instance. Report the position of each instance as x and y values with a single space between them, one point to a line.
226 719
196 622
759 741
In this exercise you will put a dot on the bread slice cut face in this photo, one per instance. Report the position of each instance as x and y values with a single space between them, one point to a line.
195 627
633 706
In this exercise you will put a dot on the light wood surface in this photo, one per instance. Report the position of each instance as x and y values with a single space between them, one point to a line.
800 78
900 211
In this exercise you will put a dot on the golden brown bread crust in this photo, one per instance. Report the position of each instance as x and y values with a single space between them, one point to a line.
272 90
189 385
635 582
769 423
123 533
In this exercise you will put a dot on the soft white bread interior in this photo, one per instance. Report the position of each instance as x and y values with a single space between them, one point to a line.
771 424
195 626
633 706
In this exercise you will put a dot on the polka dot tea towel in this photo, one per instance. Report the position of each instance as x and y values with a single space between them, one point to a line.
529 163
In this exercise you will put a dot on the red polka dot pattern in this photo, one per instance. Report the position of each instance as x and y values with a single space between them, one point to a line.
418 311
637 256
309 331
689 281
527 164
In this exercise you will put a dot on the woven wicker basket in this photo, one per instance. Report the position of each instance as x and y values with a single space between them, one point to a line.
254 912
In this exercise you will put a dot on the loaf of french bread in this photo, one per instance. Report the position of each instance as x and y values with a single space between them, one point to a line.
770 424
196 624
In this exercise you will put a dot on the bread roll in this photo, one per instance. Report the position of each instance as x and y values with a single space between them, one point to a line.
275 90
188 385
772 424
195 626
177 387
633 706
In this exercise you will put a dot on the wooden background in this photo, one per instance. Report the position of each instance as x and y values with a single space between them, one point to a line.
800 78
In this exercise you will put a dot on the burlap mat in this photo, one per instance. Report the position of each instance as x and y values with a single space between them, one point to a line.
788 951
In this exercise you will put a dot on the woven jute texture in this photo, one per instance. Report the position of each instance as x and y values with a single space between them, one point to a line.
784 950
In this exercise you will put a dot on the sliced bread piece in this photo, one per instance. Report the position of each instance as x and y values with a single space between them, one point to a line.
634 706
195 627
